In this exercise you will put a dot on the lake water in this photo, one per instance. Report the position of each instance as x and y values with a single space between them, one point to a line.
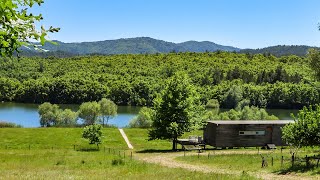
27 114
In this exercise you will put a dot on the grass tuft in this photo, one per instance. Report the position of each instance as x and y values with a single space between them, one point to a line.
117 162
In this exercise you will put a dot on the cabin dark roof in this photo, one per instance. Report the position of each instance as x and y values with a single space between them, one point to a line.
253 122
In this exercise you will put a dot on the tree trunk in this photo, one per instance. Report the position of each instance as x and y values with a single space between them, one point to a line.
174 144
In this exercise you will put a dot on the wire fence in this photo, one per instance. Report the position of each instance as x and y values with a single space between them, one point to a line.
121 153
268 157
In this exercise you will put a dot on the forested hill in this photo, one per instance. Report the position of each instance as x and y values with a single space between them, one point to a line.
280 50
139 45
146 45
136 79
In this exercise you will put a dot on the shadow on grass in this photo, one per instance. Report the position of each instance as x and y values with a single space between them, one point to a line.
299 168
158 151
173 151
88 149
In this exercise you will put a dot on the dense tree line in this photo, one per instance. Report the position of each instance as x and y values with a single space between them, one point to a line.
264 81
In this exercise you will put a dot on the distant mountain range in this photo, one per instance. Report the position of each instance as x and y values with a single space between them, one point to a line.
143 45
281 50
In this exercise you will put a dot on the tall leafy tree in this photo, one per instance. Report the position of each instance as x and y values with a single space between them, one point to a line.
232 97
67 118
89 112
177 110
17 25
48 114
314 62
108 109
305 131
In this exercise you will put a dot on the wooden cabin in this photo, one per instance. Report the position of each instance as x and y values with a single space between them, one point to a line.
244 133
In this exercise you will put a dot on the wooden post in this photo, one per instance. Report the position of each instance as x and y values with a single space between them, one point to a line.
271 161
281 161
131 155
292 160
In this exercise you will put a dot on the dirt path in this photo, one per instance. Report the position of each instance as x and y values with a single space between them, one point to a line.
126 138
168 160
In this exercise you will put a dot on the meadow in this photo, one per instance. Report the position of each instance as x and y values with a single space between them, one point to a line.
48 153
61 153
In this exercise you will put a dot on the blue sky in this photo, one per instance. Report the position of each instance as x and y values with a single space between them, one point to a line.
240 23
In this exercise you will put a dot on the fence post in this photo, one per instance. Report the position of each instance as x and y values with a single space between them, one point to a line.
281 161
292 160
271 161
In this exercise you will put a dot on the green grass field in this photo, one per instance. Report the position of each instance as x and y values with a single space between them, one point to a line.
48 153
51 156
250 160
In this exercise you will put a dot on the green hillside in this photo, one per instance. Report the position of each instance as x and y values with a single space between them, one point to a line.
264 80
139 45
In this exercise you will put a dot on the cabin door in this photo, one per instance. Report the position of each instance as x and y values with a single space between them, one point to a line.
269 134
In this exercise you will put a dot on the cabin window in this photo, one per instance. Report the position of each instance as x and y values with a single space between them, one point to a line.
256 133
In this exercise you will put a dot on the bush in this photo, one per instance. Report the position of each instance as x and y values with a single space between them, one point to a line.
93 133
